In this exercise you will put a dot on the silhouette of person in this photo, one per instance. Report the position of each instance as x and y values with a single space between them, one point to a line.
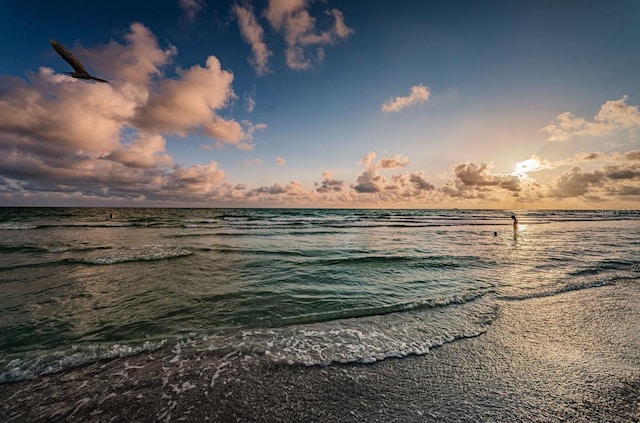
515 225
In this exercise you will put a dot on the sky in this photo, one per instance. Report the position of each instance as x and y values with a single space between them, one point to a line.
322 103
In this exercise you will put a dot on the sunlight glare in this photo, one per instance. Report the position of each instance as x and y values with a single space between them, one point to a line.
530 165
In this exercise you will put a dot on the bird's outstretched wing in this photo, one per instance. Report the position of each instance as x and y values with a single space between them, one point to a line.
69 57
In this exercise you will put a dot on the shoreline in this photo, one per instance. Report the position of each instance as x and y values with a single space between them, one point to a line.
571 356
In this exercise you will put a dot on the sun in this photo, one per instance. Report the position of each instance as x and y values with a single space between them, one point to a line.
532 164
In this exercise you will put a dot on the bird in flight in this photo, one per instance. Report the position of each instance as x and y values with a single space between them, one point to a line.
80 71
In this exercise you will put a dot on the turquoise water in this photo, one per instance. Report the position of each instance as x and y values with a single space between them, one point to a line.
298 285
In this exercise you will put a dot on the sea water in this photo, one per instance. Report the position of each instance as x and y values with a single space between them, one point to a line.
298 286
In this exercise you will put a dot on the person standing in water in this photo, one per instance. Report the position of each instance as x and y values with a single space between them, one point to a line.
515 225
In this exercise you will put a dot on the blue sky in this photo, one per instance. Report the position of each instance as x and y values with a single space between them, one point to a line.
294 103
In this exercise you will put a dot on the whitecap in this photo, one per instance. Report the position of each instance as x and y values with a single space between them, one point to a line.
143 253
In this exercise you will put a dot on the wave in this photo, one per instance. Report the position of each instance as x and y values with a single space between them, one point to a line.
381 311
369 339
34 248
550 292
16 226
106 224
605 265
19 369
137 254
428 262
351 340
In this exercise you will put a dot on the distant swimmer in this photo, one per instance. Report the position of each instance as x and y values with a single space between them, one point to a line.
515 225
112 215
495 234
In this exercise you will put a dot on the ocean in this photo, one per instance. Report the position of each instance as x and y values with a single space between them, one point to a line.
295 286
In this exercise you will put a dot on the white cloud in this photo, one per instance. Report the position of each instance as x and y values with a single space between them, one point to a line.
98 141
278 11
330 184
63 113
280 161
253 34
136 62
340 29
292 19
144 152
371 181
293 188
197 179
476 181
393 162
180 105
417 94
576 183
614 115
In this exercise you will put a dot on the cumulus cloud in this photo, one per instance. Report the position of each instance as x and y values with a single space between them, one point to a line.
617 176
144 152
180 106
97 140
56 114
370 182
292 19
197 179
614 115
576 183
393 162
419 182
410 184
417 94
476 181
329 184
136 62
293 188
633 155
472 175
582 159
623 172
253 34
405 185
403 188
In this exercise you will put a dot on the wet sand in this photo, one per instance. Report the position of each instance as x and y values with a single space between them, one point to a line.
573 357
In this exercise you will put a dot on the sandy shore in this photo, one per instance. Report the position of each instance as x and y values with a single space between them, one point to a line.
569 357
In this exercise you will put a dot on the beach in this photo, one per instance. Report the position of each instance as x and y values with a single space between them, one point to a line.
572 356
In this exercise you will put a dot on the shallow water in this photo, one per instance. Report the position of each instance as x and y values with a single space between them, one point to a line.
298 286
